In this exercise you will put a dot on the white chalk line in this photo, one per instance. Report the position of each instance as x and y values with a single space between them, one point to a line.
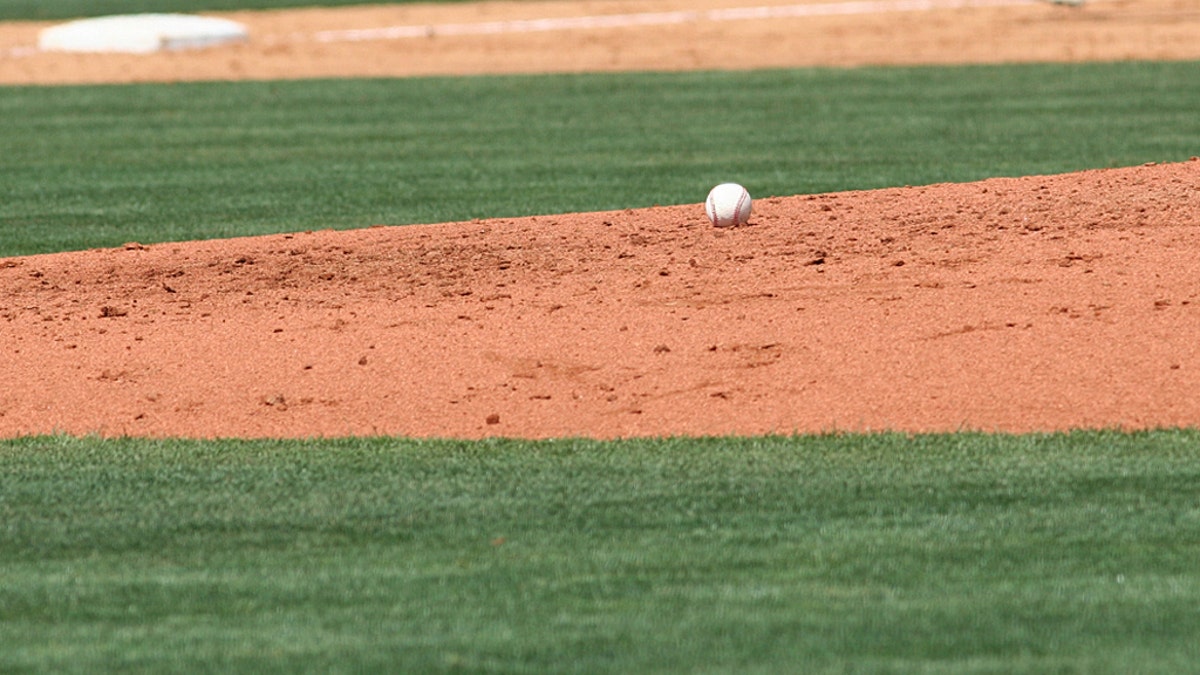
654 19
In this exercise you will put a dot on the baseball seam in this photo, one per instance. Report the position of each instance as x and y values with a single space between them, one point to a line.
737 214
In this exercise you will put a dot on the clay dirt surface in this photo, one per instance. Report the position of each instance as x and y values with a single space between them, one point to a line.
289 44
1012 304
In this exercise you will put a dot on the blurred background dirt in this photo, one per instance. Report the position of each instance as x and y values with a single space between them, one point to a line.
288 44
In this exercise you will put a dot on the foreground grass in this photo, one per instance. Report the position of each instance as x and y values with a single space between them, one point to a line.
100 166
968 553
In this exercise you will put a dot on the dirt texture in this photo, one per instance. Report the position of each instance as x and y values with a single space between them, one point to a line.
288 44
1039 303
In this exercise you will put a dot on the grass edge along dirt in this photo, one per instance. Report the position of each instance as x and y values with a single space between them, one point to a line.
932 553
93 166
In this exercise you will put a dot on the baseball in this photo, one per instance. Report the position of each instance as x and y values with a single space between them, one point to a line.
728 204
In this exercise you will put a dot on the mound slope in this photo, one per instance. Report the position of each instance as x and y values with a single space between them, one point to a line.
1039 303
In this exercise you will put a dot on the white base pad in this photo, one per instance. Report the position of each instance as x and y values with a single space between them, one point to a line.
140 33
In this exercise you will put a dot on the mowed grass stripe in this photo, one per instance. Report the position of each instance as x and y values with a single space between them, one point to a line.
949 553
99 166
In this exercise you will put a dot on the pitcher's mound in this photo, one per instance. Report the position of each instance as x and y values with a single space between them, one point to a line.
141 33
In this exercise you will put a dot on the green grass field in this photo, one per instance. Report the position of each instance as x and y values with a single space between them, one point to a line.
100 166
956 554
952 553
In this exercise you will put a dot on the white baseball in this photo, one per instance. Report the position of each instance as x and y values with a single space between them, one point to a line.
728 204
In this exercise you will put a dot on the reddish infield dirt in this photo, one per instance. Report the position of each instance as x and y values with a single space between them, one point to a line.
1040 303
1010 304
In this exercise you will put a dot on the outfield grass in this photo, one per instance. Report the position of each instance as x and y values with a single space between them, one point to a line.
103 165
967 553
40 10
